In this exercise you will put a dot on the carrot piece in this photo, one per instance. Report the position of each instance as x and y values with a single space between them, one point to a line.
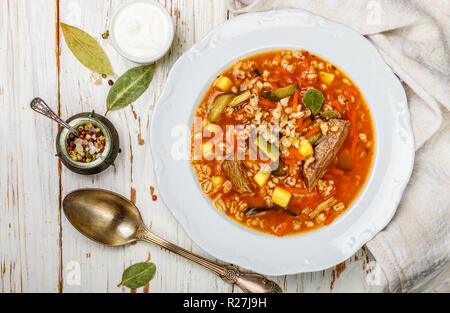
305 64
291 167
330 218
301 83
289 160
331 195
274 85
300 123
311 132
281 70
303 124
337 171
336 105
296 154
282 227
353 136
258 159
313 202
268 161
351 91
353 149
307 123
353 123
284 156
291 164
299 191
295 102
239 112
267 103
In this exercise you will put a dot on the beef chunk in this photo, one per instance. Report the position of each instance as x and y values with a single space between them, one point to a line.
326 150
238 176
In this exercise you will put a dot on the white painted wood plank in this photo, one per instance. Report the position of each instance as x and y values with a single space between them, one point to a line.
80 94
29 184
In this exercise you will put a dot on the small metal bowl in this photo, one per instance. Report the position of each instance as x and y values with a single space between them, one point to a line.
108 156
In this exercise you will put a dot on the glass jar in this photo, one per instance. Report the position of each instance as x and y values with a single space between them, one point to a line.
107 157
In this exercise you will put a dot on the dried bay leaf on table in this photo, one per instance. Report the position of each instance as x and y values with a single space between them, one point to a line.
138 275
129 87
87 50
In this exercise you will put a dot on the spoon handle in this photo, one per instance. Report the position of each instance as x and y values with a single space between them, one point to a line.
248 282
38 105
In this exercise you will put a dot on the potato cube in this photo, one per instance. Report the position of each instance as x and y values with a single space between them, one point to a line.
213 128
217 181
224 83
327 78
261 178
281 197
207 150
305 148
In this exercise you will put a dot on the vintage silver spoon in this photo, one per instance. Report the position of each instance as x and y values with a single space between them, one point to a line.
38 105
113 220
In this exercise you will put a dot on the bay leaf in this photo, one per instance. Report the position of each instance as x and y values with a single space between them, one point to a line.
129 87
138 275
313 100
87 50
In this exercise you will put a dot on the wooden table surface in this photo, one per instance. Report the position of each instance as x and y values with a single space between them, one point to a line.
39 250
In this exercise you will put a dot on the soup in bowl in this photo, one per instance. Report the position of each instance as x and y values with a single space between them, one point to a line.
283 142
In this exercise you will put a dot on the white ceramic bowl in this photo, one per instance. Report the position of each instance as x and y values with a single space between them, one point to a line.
130 57
189 80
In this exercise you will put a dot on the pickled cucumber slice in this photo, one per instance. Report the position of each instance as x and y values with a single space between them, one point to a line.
280 93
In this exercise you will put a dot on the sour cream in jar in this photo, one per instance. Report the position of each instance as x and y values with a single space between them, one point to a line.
142 31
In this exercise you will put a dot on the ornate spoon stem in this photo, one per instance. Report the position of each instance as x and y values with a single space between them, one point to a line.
250 283
38 105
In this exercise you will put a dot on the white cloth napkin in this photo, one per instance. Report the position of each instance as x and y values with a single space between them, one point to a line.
413 36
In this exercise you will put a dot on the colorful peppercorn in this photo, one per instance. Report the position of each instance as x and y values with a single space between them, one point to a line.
91 138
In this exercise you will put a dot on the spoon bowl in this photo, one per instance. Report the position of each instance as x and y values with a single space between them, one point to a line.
102 216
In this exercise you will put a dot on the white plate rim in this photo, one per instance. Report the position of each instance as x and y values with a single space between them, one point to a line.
395 176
